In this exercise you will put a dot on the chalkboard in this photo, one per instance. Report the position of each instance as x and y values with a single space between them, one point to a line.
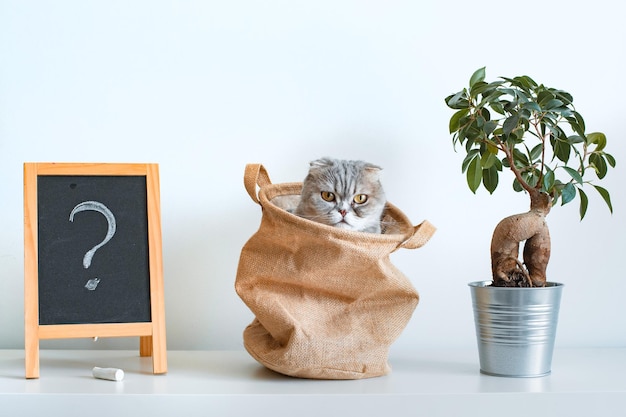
76 214
93 255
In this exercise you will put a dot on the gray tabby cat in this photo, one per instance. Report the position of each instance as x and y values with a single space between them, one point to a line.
344 194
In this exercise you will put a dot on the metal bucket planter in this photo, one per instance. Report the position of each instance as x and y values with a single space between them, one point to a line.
515 328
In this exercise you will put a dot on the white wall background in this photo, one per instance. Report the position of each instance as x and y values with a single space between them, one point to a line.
204 87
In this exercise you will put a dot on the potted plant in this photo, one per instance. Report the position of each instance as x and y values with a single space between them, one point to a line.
535 132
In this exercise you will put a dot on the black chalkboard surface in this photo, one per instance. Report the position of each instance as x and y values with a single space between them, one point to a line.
92 256
75 215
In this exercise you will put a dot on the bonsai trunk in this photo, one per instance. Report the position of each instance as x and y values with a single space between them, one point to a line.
531 227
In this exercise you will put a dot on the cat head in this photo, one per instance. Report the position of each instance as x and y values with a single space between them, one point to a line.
344 194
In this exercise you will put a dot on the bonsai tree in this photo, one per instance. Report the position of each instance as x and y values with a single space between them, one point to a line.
535 132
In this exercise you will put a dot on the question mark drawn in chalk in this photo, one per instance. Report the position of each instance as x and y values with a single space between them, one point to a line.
104 210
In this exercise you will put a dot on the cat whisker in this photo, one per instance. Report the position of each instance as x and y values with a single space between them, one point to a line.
313 218
389 226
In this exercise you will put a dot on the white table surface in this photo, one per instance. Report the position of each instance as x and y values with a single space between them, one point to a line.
585 382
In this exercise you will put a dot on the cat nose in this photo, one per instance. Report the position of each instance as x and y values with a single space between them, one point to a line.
343 213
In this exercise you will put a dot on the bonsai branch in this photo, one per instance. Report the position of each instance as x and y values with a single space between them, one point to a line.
518 175
536 123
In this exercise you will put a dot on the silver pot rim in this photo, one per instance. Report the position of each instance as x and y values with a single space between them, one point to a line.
487 284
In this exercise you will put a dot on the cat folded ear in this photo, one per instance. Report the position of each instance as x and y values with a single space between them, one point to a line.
322 163
371 167
329 162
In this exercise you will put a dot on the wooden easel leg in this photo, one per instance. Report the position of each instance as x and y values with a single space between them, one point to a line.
159 350
145 346
156 347
31 351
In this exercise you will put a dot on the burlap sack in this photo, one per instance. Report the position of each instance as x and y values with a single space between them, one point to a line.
328 302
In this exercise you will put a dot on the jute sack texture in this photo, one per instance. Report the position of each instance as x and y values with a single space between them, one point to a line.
328 302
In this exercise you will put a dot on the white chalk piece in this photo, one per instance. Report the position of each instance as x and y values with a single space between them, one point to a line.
112 374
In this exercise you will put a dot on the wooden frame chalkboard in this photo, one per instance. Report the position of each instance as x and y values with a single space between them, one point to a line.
92 256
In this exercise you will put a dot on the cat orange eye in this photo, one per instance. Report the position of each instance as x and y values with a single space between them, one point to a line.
360 198
328 196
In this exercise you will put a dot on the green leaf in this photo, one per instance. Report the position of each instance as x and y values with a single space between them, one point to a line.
599 164
498 164
531 105
563 111
581 121
568 193
456 117
574 174
487 160
574 139
458 100
491 97
610 159
531 177
605 195
478 88
548 180
543 97
489 127
473 153
584 203
553 104
477 76
565 96
520 159
536 152
497 107
557 131
510 123
490 179
561 150
474 174
575 124
598 138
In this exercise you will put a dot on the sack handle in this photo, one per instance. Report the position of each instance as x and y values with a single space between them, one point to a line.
255 174
421 234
